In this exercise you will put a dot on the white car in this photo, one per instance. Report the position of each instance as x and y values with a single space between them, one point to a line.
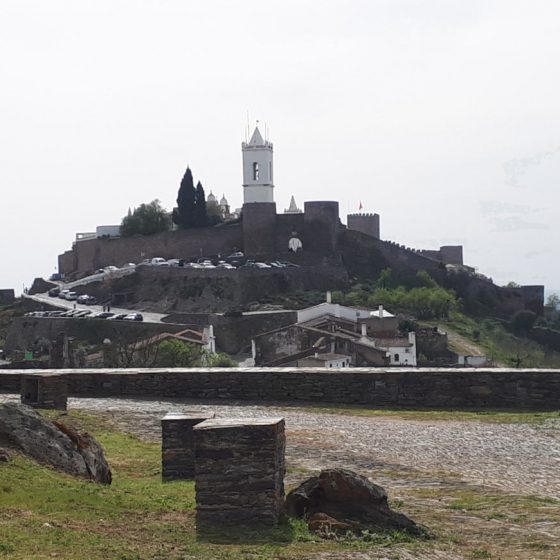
261 265
158 261
128 265
111 268
71 296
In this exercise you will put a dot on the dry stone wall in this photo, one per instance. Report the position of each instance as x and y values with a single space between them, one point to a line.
536 389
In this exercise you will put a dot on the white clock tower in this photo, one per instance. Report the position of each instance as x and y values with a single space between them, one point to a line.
258 185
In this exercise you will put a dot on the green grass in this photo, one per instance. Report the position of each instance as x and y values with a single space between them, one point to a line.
45 514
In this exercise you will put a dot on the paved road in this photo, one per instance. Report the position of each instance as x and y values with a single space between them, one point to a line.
149 317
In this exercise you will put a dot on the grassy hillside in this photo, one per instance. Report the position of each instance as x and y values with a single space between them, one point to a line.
499 345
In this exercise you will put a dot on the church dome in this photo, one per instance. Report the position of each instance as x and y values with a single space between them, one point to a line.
224 201
210 198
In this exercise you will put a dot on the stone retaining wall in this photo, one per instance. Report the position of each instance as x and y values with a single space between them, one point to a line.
536 389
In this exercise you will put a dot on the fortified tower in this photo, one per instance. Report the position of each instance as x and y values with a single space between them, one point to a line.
259 209
258 185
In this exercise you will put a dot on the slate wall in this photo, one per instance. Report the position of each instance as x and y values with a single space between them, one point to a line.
535 389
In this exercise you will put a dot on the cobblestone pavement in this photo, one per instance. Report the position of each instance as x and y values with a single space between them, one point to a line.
515 458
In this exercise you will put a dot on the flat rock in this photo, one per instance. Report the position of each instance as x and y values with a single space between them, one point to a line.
52 443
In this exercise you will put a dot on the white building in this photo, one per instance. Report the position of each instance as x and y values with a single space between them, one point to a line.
326 360
100 231
258 185
400 351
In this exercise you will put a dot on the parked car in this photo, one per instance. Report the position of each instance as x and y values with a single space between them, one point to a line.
262 265
158 261
71 296
91 300
133 317
118 317
54 292
236 255
82 299
105 315
128 265
62 294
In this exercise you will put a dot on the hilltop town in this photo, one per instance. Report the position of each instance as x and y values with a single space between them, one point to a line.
257 286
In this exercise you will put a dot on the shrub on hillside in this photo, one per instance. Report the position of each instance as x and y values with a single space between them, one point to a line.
523 320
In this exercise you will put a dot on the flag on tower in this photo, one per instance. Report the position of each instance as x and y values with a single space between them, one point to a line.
360 208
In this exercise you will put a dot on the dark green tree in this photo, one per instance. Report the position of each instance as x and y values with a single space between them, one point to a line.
200 212
523 320
147 219
183 215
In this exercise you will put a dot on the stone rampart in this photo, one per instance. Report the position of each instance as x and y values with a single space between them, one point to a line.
536 389
89 255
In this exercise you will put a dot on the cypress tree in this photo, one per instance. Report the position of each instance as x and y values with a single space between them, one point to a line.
183 215
200 213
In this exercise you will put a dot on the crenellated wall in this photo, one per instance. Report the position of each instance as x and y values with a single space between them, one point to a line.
366 223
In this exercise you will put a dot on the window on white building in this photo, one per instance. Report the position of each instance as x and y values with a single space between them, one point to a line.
255 171
396 357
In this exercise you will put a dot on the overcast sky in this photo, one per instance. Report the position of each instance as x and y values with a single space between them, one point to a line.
441 115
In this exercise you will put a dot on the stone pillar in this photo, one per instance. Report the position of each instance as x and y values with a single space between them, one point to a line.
44 390
177 445
239 471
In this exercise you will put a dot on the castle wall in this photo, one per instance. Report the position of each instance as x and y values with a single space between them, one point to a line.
322 227
536 389
365 223
447 254
286 225
259 228
91 254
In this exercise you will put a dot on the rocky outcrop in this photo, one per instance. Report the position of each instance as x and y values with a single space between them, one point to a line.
340 500
52 443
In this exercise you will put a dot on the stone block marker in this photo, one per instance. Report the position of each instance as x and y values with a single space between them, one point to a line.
44 390
240 468
177 444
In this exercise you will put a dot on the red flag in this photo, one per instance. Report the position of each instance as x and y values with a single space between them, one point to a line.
360 205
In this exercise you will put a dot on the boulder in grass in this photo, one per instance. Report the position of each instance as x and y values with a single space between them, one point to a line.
340 499
52 443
